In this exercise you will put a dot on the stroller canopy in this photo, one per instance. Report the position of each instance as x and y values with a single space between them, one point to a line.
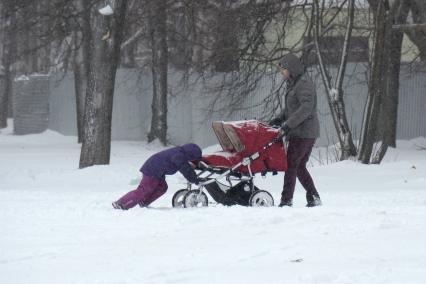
245 136
242 138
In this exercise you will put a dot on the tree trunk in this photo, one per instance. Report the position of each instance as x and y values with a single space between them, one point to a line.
8 58
377 87
335 92
3 101
105 45
158 33
81 59
389 111
34 41
4 38
45 53
80 86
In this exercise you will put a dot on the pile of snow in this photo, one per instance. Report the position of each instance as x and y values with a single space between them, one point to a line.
57 224
106 11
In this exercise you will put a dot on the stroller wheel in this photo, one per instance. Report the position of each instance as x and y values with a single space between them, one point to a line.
177 200
195 198
261 198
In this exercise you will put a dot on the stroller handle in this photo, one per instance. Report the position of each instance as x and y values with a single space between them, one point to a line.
280 136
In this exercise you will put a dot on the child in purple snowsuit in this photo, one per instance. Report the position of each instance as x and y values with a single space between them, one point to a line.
154 170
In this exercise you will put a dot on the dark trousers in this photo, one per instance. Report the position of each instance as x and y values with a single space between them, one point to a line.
298 152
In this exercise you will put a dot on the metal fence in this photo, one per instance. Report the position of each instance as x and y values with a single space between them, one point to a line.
188 106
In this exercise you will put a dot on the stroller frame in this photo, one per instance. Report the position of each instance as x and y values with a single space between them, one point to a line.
189 197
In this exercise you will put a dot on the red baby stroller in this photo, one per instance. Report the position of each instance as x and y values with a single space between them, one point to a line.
249 147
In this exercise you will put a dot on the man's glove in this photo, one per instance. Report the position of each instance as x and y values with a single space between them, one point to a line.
285 129
276 121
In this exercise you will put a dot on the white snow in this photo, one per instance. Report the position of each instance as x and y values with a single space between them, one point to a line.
22 78
106 11
334 94
58 226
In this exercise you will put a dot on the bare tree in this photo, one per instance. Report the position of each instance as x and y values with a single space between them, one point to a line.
376 88
389 110
208 37
80 59
334 89
381 112
235 39
158 40
105 43
8 21
35 38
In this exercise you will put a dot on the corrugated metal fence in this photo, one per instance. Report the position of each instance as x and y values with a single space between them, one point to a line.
189 106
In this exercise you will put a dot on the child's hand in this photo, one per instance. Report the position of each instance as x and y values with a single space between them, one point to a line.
200 180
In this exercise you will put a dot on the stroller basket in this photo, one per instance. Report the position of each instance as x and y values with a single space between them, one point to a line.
227 195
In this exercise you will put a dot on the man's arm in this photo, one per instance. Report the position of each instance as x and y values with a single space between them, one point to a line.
306 95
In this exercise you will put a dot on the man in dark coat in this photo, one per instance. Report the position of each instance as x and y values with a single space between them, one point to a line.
154 170
300 124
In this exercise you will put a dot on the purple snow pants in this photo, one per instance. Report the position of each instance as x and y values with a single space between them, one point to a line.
148 191
299 150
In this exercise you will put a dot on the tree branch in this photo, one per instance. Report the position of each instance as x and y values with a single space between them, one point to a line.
409 27
132 39
348 35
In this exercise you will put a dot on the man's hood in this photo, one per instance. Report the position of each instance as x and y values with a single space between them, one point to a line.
293 64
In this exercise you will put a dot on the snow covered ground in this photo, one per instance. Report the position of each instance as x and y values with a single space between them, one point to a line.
58 226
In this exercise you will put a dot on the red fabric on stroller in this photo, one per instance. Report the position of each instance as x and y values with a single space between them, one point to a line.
240 139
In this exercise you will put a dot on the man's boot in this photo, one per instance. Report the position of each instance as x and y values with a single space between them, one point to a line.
313 201
288 203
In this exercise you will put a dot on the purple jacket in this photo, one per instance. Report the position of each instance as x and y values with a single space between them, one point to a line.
169 161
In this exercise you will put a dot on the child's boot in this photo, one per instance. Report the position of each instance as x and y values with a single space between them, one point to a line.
116 205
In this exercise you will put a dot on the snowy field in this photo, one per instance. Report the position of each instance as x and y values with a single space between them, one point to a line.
58 226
